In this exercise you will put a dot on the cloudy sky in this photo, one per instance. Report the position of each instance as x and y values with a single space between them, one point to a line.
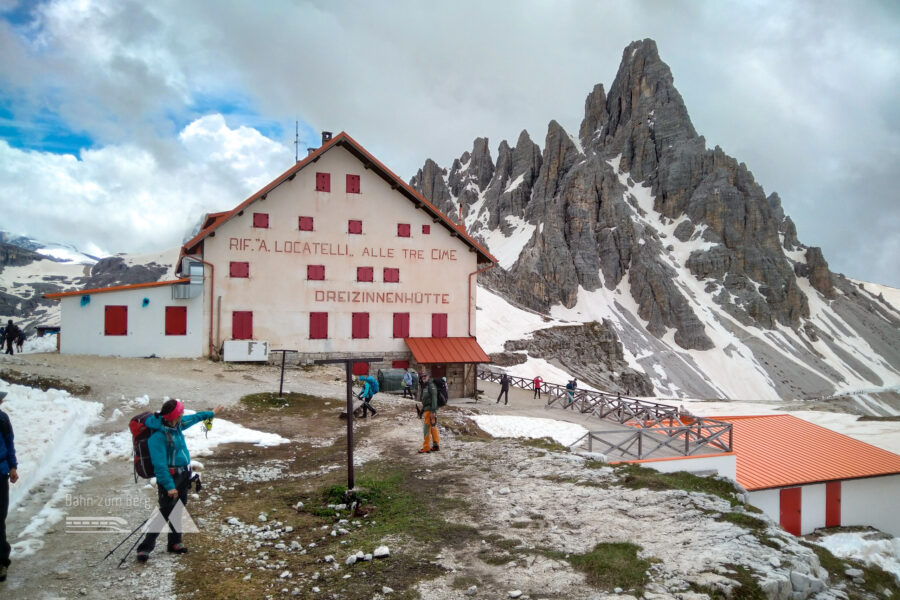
122 122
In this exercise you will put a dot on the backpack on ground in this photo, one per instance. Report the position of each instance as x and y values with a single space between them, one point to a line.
443 394
140 437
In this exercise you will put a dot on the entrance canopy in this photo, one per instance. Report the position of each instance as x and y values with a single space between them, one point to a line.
446 350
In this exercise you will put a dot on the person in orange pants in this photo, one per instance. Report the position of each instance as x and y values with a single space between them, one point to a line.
429 418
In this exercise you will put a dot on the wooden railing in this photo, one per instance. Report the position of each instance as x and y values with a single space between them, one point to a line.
657 426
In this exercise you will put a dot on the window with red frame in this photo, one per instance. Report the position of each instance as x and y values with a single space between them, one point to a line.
391 275
400 364
365 273
352 184
439 325
318 326
402 229
323 182
354 226
426 229
176 320
360 327
242 325
115 320
315 272
261 220
239 269
401 325
360 369
306 223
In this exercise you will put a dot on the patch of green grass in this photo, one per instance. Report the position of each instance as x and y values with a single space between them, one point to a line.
743 520
464 582
544 443
748 589
636 477
300 404
594 464
875 579
610 565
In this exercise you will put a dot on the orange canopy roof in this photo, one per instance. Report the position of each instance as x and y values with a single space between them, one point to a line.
116 288
447 350
782 450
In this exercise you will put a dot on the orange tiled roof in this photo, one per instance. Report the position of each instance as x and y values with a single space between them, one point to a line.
782 450
446 350
116 288
215 220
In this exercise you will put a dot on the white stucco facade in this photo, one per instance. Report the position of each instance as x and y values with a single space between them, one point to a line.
866 502
84 317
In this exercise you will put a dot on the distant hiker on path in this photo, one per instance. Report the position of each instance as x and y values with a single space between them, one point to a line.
370 388
20 341
504 388
10 335
172 467
407 384
8 474
570 391
431 443
537 387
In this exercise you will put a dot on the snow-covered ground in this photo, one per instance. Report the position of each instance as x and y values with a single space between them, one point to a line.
55 448
882 552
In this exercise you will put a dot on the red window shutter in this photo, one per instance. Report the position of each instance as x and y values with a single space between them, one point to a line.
323 182
306 223
239 269
400 364
360 368
401 325
315 272
261 220
116 320
426 229
360 326
439 325
365 273
318 326
242 325
402 229
354 226
391 275
352 184
176 320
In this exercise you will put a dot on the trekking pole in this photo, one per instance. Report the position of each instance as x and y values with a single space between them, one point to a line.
122 562
110 553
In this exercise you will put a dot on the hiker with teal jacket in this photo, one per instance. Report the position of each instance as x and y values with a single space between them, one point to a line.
172 467
370 388
8 474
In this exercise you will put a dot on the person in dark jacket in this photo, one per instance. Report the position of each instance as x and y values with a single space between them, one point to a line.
11 335
431 443
504 389
172 467
9 473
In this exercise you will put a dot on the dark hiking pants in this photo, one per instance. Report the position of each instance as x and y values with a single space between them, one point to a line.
4 508
166 505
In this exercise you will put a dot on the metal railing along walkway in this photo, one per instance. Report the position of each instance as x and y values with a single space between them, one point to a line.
655 427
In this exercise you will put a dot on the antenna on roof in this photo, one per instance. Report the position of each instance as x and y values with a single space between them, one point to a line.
297 141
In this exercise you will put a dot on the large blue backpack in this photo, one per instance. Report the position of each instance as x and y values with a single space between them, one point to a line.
373 383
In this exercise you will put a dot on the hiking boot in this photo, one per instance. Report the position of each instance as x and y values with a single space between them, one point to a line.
143 556
423 451
3 569
177 549
435 448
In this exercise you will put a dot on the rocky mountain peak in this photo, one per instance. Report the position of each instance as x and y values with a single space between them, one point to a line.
596 116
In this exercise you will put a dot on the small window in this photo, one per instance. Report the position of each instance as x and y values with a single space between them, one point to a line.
176 320
352 184
391 275
354 226
261 220
400 364
306 223
439 325
365 273
360 326
315 272
323 182
426 229
239 269
242 325
360 369
116 320
402 229
318 326
401 325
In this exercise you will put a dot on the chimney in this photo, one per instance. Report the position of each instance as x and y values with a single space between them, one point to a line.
326 137
310 151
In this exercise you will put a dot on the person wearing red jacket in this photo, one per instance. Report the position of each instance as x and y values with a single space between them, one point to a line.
537 387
